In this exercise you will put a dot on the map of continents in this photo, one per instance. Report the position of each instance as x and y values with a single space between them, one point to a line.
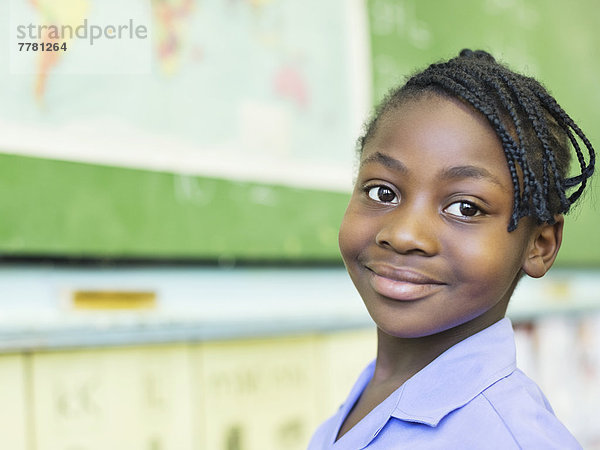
170 20
248 89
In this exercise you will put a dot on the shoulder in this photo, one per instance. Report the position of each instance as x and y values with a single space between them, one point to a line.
518 406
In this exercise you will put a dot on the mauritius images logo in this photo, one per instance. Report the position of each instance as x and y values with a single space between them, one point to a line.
80 36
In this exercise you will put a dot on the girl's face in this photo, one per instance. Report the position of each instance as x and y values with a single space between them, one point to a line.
425 237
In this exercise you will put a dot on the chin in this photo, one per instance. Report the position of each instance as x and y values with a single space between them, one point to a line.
407 329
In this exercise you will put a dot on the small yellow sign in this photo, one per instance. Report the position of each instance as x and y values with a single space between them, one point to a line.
114 300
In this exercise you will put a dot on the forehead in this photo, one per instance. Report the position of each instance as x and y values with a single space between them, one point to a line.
438 131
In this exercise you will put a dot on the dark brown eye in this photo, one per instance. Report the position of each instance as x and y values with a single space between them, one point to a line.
382 194
467 209
463 209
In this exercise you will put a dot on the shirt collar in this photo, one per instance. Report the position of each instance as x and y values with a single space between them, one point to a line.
458 375
367 429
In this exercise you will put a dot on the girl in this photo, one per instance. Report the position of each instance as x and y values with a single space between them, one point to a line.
461 190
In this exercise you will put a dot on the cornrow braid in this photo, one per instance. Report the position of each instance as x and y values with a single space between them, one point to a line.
535 132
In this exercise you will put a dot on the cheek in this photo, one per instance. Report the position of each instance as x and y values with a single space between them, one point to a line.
490 261
345 236
353 235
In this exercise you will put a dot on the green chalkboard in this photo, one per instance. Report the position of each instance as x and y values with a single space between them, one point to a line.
66 209
557 42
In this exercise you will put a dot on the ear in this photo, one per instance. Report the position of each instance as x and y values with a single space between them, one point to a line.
543 247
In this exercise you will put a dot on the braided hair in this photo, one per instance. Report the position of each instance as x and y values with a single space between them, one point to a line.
535 132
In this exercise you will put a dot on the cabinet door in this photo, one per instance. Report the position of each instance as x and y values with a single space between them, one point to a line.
13 408
130 398
342 357
256 394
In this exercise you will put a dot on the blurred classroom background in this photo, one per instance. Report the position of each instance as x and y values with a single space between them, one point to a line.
169 272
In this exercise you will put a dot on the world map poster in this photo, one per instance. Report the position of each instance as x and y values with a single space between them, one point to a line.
267 90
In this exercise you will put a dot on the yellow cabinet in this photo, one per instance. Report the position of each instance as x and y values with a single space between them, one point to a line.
12 402
256 394
127 398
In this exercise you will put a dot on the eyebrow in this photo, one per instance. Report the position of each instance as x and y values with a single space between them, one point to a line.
451 173
386 161
462 172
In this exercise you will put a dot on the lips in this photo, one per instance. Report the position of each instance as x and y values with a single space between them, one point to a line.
400 283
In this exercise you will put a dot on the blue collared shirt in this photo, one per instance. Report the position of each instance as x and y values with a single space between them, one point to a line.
471 397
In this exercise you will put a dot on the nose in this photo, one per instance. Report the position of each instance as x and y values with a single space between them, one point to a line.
409 230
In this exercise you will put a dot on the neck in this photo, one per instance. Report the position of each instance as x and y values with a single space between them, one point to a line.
398 359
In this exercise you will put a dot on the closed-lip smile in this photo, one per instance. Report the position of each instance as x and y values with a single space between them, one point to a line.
401 283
